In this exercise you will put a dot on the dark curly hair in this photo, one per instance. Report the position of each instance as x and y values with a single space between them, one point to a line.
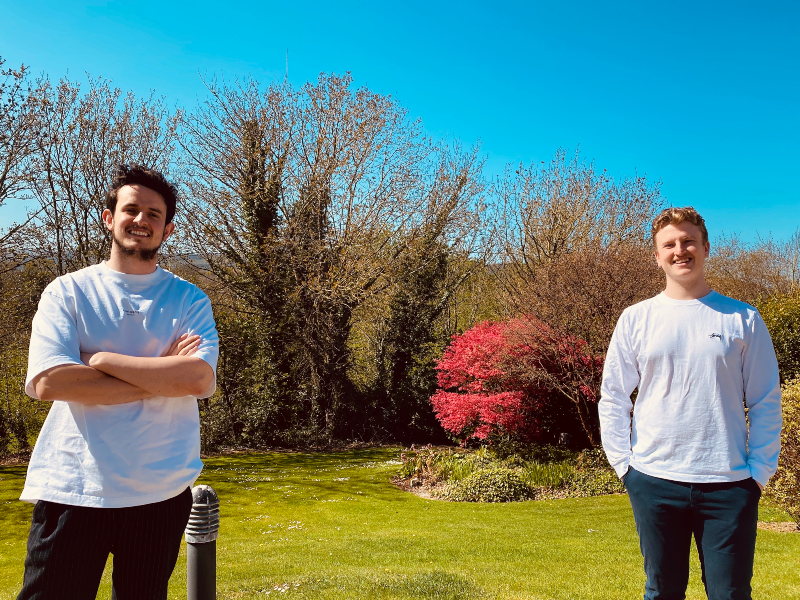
150 178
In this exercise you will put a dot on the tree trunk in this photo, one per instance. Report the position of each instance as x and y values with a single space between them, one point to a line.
588 421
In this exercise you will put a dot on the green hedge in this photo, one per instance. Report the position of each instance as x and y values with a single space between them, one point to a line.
784 488
594 483
781 314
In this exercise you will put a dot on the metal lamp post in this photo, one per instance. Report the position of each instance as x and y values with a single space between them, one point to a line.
201 544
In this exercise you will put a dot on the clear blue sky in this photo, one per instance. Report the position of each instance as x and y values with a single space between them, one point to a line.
702 95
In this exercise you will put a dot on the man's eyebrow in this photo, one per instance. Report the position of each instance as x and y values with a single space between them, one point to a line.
134 205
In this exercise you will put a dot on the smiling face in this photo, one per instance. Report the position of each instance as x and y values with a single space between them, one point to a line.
681 252
138 225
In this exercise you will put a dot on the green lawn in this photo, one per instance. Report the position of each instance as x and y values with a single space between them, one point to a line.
332 526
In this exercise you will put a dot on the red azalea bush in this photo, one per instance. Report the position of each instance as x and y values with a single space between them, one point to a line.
563 363
478 399
496 380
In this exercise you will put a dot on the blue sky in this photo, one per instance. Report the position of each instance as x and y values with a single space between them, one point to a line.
702 95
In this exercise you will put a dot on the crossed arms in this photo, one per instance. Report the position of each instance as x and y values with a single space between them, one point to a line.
110 378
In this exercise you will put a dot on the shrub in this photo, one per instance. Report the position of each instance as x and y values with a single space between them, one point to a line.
435 464
493 484
474 400
485 475
594 483
784 487
781 314
21 417
480 399
593 460
547 475
593 476
542 453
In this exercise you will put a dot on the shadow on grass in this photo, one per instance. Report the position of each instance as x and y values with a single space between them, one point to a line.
430 585
435 585
299 476
12 479
301 460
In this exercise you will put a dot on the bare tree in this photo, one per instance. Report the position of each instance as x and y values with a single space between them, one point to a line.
355 188
567 205
58 146
18 133
574 303
82 137
17 129
754 271
236 148
789 254
576 254
791 260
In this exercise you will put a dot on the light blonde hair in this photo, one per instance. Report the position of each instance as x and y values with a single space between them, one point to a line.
675 216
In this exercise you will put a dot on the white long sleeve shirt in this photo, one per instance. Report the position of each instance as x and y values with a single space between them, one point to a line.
693 362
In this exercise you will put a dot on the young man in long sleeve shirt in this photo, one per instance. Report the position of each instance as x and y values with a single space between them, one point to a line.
684 451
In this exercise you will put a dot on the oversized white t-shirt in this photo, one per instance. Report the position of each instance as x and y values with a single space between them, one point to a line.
693 362
124 454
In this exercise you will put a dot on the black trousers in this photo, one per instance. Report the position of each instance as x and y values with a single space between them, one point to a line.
68 547
721 516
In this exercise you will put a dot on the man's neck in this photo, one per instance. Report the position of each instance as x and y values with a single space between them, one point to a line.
130 265
686 291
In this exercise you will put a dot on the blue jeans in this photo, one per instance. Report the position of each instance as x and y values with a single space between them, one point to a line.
721 516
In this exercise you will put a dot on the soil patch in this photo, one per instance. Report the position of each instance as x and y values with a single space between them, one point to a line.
784 527
14 460
425 490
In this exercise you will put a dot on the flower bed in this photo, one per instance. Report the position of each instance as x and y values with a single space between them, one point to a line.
487 475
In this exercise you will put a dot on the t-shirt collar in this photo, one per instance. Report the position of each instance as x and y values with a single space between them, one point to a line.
128 279
664 299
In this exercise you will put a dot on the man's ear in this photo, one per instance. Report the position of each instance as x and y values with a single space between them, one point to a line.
707 248
170 227
108 218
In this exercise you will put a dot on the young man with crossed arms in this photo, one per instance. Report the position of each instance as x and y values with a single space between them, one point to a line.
687 458
122 349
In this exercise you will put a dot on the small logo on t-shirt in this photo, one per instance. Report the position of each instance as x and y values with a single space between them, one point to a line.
132 312
715 335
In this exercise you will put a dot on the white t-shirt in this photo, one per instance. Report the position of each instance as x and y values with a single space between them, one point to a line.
693 361
125 454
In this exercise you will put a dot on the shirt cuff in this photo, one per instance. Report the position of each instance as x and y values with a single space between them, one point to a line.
761 473
622 467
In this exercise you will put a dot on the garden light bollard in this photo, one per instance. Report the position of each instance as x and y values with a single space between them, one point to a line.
201 544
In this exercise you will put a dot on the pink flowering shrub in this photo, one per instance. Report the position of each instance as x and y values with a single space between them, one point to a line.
508 379
478 399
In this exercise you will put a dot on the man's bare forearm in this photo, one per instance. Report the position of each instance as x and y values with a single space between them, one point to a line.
79 383
110 378
170 376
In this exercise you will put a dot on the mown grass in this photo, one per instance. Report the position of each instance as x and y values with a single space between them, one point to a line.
331 526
